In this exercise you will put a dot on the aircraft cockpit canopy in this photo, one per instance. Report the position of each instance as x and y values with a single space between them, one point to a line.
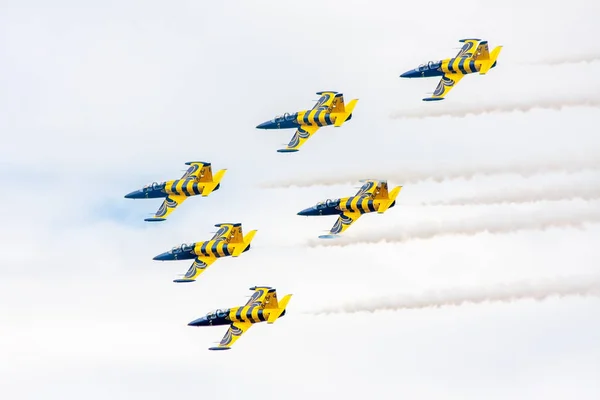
429 66
285 117
185 247
216 313
154 186
327 203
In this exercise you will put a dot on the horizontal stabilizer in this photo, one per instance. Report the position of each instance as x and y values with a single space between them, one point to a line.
287 150
276 313
486 66
342 117
214 184
329 236
184 280
240 248
155 219
384 205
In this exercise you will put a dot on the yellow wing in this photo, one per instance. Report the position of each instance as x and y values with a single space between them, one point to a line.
167 207
301 136
446 84
198 266
469 47
200 170
325 100
235 331
343 222
259 295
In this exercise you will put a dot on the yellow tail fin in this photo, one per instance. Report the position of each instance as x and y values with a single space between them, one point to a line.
341 117
487 65
214 183
240 248
482 53
384 205
276 313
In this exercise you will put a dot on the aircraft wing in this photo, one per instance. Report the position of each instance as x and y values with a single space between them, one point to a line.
325 100
258 297
167 207
469 47
235 331
446 84
198 266
194 170
343 222
301 136
368 187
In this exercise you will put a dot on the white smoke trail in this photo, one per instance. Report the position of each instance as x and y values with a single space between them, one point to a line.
573 59
478 109
406 175
527 195
572 286
497 223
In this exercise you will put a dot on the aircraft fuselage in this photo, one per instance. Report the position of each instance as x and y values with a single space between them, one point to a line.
456 65
212 248
361 204
183 187
250 313
321 116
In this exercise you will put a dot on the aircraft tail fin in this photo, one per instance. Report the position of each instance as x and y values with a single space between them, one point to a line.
488 64
214 183
244 244
343 116
280 310
385 204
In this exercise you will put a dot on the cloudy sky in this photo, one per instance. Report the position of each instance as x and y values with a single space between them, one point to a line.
482 282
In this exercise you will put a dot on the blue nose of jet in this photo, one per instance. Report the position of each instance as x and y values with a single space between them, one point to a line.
409 74
265 125
166 256
136 194
308 211
202 321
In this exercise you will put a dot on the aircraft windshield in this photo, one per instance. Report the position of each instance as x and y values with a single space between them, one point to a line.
327 203
185 247
216 313
429 65
154 186
285 117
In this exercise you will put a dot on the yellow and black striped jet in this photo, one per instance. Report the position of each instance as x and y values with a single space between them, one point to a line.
372 196
473 57
229 240
197 180
329 110
262 306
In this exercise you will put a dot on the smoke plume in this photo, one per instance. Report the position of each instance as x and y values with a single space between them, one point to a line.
528 195
574 59
573 286
464 110
407 175
507 222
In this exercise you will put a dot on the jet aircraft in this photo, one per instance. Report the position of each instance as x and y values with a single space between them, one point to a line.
329 110
474 56
262 306
372 196
227 241
197 180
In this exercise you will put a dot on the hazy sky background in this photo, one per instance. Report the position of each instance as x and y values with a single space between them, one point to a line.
101 98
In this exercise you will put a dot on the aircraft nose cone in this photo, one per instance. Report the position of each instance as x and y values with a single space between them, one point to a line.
199 322
136 194
163 256
407 74
264 125
307 211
